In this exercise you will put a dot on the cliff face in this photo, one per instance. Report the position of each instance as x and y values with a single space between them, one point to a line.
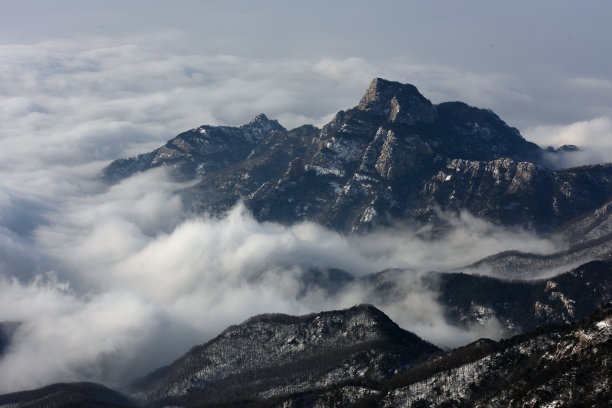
395 156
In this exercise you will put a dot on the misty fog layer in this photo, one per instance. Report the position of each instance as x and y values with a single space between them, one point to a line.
592 137
110 282
117 281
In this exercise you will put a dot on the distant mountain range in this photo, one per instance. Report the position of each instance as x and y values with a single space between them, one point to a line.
394 159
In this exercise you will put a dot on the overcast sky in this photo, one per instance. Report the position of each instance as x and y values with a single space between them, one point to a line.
535 63
117 280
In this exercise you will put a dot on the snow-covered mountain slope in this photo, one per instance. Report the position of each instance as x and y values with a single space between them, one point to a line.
552 366
555 366
275 355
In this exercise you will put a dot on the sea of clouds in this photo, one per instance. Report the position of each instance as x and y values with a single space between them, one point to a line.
109 282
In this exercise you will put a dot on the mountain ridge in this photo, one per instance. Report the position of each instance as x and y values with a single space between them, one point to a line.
555 365
394 157
268 350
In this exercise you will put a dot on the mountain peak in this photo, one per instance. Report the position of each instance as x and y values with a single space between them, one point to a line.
400 103
261 118
261 122
260 127
268 344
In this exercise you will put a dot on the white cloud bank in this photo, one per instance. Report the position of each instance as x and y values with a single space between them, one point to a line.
592 137
111 282
133 283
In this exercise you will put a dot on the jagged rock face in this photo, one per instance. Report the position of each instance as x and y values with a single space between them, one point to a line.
275 355
396 156
399 103
201 151
369 168
277 155
518 193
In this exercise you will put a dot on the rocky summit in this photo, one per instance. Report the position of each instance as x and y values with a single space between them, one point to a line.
394 157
